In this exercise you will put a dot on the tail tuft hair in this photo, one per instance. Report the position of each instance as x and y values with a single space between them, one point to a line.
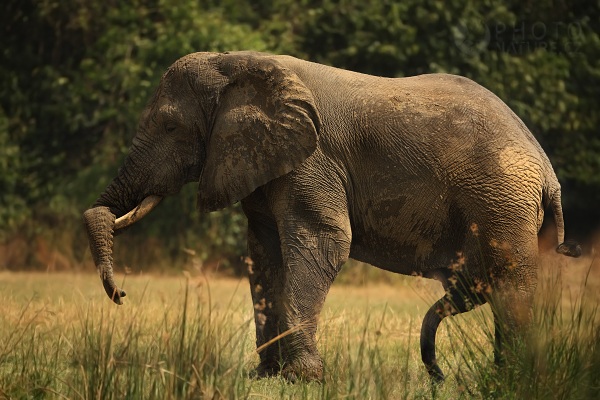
569 248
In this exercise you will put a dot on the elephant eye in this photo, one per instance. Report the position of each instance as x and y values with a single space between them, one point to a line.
170 127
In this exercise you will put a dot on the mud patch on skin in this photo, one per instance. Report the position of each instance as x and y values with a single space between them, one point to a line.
417 104
416 220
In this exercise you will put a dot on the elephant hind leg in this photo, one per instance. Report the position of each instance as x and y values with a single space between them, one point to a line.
512 306
454 302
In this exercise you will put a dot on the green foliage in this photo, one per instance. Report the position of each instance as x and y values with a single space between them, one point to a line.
543 64
14 207
76 99
75 75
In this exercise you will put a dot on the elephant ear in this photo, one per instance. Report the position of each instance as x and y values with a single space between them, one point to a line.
265 125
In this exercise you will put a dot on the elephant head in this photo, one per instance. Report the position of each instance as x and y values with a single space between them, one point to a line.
230 121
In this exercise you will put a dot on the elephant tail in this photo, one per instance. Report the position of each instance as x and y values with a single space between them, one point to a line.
568 248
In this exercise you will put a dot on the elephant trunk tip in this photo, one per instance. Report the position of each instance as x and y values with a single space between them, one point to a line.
113 291
569 248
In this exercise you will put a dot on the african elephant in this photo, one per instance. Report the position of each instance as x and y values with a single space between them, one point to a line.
430 175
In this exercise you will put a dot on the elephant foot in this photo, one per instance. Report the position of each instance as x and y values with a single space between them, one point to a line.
264 371
303 373
305 369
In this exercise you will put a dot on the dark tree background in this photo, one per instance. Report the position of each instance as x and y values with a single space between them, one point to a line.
75 75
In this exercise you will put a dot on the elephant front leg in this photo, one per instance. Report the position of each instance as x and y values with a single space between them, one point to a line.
298 247
288 292
311 265
265 273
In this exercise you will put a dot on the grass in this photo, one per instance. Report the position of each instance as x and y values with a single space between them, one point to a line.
193 337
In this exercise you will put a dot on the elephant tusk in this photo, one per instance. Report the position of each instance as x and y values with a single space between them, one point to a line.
139 212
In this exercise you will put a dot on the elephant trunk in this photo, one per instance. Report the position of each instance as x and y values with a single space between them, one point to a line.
100 224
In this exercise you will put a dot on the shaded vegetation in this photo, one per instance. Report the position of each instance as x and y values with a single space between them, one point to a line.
75 75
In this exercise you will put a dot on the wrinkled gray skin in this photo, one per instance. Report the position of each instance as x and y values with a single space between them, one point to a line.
430 175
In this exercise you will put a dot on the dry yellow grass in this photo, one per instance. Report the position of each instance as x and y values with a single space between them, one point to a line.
368 336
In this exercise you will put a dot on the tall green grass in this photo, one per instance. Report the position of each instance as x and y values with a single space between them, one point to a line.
108 353
195 344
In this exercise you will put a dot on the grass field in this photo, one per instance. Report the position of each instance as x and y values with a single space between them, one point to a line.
193 337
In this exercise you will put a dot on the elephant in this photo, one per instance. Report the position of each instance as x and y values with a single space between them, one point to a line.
431 175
